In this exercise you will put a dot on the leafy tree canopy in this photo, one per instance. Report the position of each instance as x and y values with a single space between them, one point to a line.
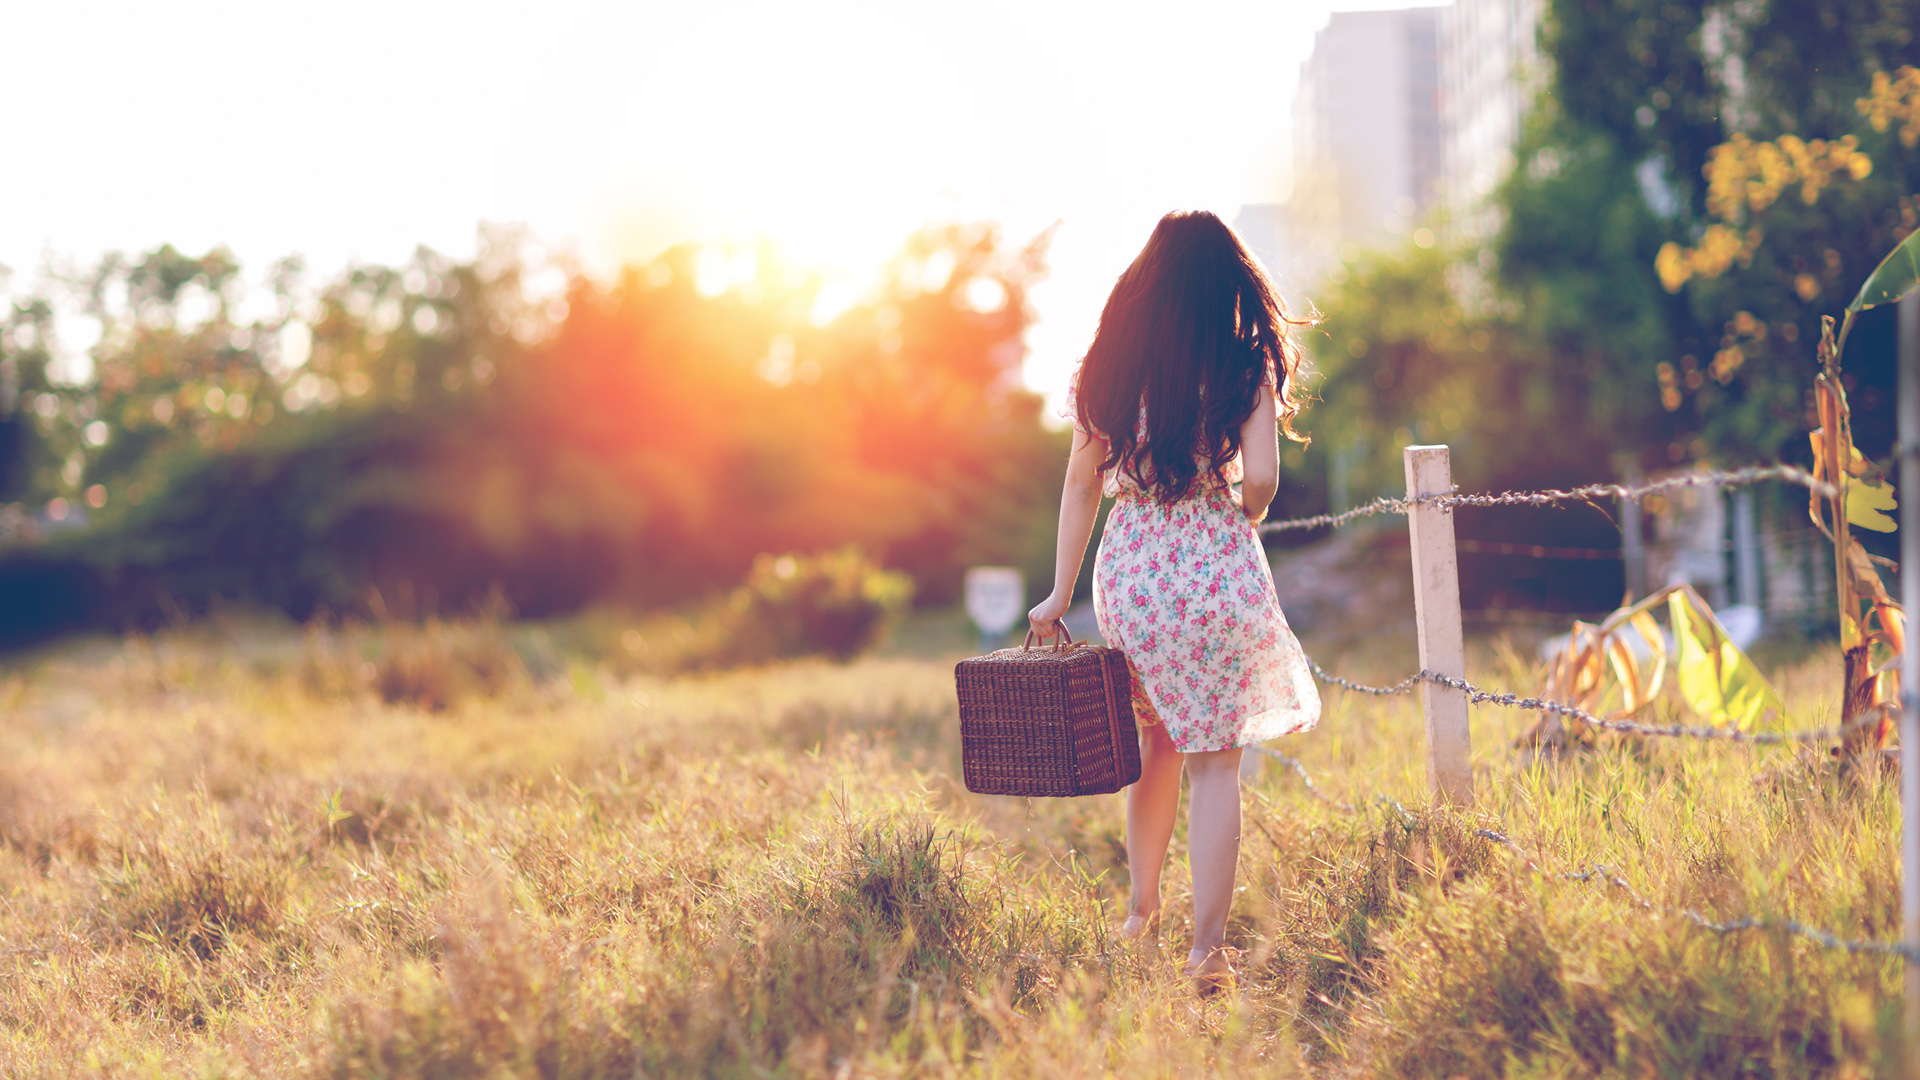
442 428
1743 136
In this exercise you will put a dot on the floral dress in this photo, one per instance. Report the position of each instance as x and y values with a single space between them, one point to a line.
1184 590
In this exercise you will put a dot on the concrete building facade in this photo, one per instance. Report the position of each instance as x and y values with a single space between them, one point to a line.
1399 113
1367 142
1490 68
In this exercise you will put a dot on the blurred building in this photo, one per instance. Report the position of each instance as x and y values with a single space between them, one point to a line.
1399 113
1366 130
1267 229
1490 68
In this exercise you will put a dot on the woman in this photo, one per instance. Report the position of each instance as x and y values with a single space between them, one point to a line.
1189 380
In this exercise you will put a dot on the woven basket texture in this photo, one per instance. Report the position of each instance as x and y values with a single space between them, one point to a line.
1048 721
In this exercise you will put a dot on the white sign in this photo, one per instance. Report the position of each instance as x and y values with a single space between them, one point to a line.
996 598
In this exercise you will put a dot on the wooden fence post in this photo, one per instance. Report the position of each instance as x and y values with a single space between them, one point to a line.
1633 546
1908 398
1436 607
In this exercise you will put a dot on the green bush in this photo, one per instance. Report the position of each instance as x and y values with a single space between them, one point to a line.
432 665
837 604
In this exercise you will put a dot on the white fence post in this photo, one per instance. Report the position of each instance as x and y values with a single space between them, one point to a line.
1908 397
1436 607
1633 547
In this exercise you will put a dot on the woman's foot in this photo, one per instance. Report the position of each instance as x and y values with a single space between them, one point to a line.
1211 970
1140 926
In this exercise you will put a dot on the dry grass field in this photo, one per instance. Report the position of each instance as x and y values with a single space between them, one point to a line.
476 851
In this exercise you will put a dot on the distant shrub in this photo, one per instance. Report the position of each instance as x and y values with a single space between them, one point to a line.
435 665
838 604
431 666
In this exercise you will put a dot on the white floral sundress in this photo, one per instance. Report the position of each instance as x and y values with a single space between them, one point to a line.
1184 590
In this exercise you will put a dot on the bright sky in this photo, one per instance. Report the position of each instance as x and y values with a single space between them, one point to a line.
355 130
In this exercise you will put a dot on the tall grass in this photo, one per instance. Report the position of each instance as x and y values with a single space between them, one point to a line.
245 855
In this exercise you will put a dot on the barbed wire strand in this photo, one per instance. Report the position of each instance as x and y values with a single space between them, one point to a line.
1823 938
1530 704
1407 820
1554 497
1382 505
1628 727
1401 687
1306 778
1601 873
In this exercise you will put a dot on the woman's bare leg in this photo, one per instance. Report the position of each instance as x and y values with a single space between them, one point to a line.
1152 803
1213 846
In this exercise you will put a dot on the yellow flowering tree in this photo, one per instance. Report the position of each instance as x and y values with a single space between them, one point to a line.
1894 99
1697 185
1788 226
1746 176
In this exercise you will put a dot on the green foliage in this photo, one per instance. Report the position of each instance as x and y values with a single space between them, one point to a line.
1588 318
1716 679
1896 276
1404 360
432 665
1661 86
1550 351
456 429
837 605
1390 353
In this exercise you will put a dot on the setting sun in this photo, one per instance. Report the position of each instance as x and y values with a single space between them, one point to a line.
831 135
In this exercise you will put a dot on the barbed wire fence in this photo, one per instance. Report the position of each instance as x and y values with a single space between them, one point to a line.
1477 695
1601 873
1552 497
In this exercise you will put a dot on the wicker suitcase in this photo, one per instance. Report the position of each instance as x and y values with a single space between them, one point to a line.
1050 721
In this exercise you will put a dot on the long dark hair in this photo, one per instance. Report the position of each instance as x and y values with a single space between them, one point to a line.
1191 330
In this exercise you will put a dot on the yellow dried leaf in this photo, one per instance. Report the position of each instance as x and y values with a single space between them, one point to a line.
1866 581
1893 625
1818 437
1868 502
1657 645
1626 671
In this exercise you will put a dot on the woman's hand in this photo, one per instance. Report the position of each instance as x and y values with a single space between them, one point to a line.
1046 615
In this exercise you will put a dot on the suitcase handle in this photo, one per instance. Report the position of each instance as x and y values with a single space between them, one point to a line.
1065 634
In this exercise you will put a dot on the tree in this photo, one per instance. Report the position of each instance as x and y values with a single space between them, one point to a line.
459 427
1668 92
1571 346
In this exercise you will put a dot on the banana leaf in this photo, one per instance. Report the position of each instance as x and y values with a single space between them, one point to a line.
1896 276
1716 679
1867 504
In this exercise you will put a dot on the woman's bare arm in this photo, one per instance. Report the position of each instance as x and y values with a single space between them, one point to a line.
1079 503
1260 456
